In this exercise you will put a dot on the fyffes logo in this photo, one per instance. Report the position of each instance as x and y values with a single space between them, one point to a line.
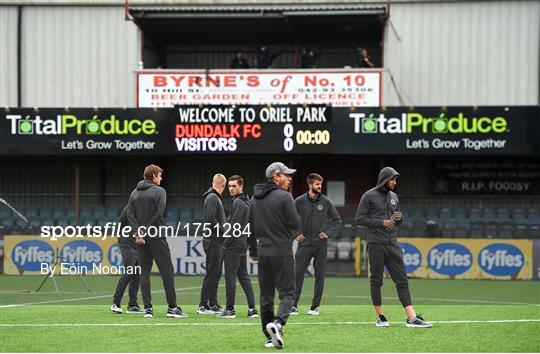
29 255
449 259
82 253
115 256
416 122
411 257
67 123
501 259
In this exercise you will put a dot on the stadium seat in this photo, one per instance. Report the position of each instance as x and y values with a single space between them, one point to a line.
185 216
519 217
198 215
45 214
521 231
344 249
534 217
331 251
503 216
488 215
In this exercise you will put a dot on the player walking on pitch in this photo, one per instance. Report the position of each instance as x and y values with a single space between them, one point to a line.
379 212
319 219
273 217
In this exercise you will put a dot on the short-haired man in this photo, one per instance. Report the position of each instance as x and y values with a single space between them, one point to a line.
319 219
234 254
145 209
379 212
273 219
214 219
130 260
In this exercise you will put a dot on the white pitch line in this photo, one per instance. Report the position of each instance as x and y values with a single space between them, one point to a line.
86 298
487 302
98 297
215 324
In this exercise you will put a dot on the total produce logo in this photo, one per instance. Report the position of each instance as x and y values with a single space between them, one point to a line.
64 124
416 122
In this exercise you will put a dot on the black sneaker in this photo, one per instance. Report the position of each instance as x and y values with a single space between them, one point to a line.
268 343
149 313
134 309
419 322
176 313
252 313
216 309
274 329
204 310
294 311
382 321
226 314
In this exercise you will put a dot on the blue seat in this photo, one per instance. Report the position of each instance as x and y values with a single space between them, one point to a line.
489 215
474 214
503 216
185 216
198 215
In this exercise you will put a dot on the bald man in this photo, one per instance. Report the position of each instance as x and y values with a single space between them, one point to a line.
213 246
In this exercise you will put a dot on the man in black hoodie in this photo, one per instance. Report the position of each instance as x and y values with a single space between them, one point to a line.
234 254
130 259
273 219
145 210
379 212
319 220
214 218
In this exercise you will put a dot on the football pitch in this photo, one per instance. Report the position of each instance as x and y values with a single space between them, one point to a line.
468 316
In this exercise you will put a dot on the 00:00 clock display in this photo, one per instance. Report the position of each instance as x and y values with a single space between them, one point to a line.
318 137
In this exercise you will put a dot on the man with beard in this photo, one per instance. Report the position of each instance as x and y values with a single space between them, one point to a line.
319 219
234 254
273 218
379 212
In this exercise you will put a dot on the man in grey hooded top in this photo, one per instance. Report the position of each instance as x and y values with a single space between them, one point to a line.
379 212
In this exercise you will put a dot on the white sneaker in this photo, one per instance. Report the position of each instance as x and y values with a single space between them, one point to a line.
115 309
314 311
268 343
294 311
274 329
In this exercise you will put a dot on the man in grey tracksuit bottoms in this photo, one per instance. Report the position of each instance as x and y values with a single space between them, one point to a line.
145 210
130 260
380 213
273 219
319 219
214 219
234 254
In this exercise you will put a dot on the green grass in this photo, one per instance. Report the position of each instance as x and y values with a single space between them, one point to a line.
344 325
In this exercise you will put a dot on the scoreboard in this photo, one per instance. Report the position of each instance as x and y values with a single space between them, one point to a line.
253 129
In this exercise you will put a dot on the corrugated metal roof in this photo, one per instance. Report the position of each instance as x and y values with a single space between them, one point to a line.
254 8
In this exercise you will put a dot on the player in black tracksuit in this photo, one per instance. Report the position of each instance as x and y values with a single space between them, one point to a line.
319 220
380 213
234 254
145 209
214 216
273 218
130 259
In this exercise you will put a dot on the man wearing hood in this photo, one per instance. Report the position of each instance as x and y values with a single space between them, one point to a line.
214 219
319 219
145 210
379 212
273 219
234 254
